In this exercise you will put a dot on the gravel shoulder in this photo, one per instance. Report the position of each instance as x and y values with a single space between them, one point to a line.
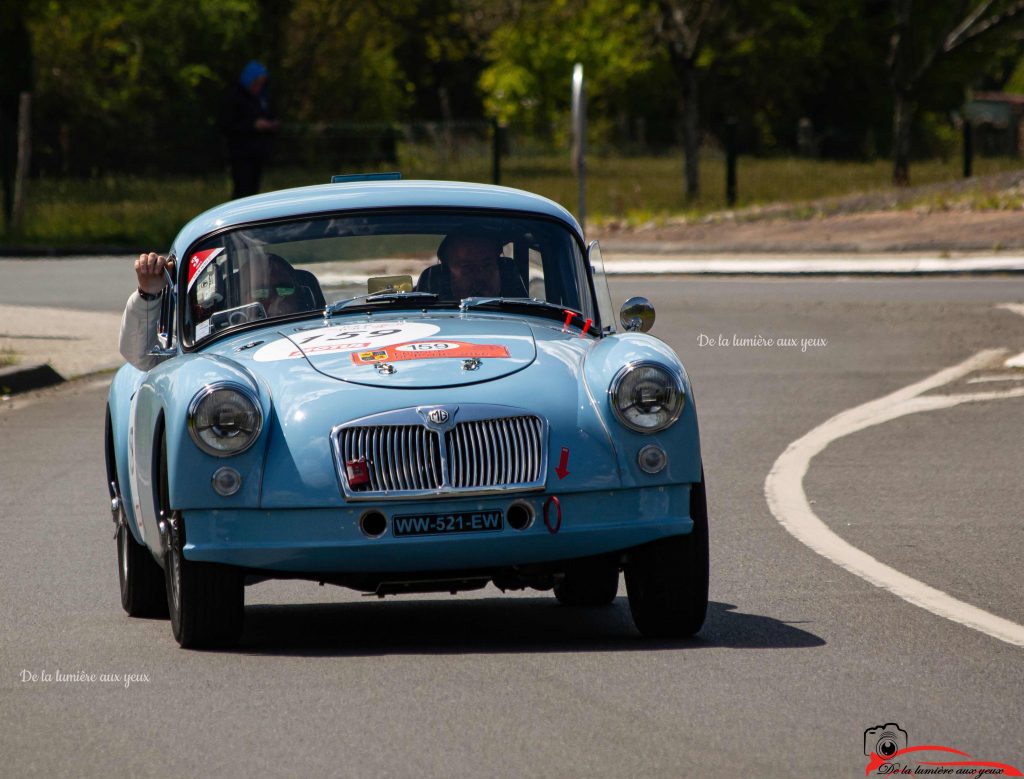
983 214
855 233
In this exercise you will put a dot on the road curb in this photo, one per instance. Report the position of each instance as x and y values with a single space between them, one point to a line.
626 265
16 379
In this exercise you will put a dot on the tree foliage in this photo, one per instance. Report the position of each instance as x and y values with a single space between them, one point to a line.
137 84
532 54
113 78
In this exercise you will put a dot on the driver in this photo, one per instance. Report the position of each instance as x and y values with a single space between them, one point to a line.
471 265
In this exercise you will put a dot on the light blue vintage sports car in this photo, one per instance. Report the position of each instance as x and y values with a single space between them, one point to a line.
398 387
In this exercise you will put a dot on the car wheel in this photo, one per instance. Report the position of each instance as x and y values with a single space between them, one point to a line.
667 580
588 583
206 600
142 582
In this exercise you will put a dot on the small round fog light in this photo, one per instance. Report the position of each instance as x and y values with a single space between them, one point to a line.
226 481
652 459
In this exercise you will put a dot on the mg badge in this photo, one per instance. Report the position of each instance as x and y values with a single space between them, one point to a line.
438 416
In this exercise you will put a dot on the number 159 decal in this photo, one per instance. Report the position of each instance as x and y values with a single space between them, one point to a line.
343 338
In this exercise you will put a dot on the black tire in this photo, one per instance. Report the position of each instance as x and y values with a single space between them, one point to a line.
589 583
143 593
667 580
206 601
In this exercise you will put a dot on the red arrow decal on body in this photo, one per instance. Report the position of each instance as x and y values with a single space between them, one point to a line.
563 463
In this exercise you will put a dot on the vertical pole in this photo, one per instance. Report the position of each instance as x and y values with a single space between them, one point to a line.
579 130
496 151
24 155
730 162
968 148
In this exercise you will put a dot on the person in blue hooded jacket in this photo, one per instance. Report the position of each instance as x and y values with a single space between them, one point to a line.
248 126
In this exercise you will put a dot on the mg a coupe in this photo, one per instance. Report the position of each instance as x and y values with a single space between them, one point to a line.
402 387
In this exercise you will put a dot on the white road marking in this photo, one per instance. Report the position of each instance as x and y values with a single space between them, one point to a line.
1017 361
1017 308
788 502
996 377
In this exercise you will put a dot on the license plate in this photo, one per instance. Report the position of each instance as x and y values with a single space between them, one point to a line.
405 525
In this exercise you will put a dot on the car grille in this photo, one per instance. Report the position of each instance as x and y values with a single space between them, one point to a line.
494 451
413 460
398 457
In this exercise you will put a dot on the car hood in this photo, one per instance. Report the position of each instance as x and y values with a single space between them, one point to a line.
420 351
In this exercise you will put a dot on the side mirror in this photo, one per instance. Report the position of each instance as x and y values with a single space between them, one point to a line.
637 315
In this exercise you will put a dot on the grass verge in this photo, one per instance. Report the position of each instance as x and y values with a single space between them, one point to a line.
146 212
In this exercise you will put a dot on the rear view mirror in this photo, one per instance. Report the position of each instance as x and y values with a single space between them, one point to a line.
376 284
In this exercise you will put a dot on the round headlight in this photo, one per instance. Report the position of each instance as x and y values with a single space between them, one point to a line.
224 419
646 397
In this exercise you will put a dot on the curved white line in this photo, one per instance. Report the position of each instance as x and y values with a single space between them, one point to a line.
788 502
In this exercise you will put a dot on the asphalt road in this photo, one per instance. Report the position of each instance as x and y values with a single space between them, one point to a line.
797 658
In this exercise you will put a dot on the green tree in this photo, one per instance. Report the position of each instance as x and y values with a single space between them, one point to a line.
339 62
531 54
133 83
685 28
923 39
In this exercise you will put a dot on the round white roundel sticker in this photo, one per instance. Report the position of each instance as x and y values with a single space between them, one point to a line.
343 338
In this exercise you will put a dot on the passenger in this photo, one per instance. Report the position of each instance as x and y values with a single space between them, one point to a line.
471 265
272 282
142 311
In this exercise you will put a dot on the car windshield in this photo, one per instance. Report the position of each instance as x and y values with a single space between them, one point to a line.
301 266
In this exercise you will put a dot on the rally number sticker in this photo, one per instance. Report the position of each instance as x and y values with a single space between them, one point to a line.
428 350
343 338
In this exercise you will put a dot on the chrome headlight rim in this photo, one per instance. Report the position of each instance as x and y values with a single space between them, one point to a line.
206 392
625 371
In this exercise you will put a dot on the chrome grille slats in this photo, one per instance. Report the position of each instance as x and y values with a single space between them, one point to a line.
527 461
495 452
378 459
486 453
480 453
402 436
519 443
534 447
475 461
456 456
506 454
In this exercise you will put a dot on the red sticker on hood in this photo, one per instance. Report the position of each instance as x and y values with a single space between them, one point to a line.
199 261
428 350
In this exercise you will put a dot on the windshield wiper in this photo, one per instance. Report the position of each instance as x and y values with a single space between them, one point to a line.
542 307
378 297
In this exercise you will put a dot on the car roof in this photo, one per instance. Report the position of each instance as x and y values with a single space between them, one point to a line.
360 195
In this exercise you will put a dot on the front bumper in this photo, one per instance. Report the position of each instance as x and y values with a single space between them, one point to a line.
301 541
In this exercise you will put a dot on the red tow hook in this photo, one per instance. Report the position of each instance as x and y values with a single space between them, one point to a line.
552 528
